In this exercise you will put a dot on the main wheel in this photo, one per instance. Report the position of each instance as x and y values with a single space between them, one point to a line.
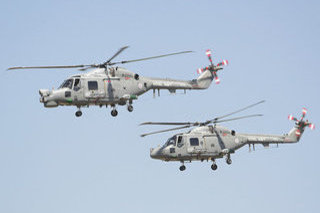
114 112
78 113
130 108
182 168
229 161
214 167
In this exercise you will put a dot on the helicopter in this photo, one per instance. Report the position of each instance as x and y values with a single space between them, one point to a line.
109 85
209 141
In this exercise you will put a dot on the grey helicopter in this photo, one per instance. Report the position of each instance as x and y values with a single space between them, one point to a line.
110 85
209 141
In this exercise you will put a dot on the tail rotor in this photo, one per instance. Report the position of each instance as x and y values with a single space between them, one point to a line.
213 68
301 123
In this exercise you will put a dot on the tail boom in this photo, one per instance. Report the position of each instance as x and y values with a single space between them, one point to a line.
292 137
203 82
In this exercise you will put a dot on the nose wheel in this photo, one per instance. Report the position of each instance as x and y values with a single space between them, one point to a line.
78 113
182 168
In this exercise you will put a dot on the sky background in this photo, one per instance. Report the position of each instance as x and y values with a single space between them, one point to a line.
51 161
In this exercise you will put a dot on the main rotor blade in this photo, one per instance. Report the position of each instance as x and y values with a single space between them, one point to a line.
116 54
54 67
148 58
237 118
240 110
169 123
165 130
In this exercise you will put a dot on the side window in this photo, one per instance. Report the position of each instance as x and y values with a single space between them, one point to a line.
180 142
67 94
77 84
194 141
92 85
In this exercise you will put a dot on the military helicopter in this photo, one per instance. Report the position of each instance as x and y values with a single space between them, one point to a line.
210 142
108 85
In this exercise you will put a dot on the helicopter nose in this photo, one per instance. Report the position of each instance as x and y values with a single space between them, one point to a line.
43 93
155 153
46 98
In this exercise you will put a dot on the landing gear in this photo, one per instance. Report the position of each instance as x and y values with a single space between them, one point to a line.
228 159
214 166
130 108
114 112
182 168
78 113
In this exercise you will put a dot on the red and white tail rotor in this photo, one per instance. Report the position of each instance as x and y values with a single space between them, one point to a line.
208 53
217 80
223 63
304 112
301 123
291 118
213 68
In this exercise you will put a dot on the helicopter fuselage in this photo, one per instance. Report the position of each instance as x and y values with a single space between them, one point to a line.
116 86
210 143
96 88
201 143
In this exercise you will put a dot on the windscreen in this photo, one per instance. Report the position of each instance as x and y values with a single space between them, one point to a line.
171 141
67 84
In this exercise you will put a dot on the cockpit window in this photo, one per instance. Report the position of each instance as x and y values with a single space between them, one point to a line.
67 84
171 141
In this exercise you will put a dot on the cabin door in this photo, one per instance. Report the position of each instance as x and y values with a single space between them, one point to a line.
95 89
196 145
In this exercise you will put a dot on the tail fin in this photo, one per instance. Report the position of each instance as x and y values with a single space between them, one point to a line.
295 134
204 80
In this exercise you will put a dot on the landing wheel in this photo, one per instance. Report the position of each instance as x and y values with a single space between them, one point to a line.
78 113
229 161
182 168
130 108
114 112
214 167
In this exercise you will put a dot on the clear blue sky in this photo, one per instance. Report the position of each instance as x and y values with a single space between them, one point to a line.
51 161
